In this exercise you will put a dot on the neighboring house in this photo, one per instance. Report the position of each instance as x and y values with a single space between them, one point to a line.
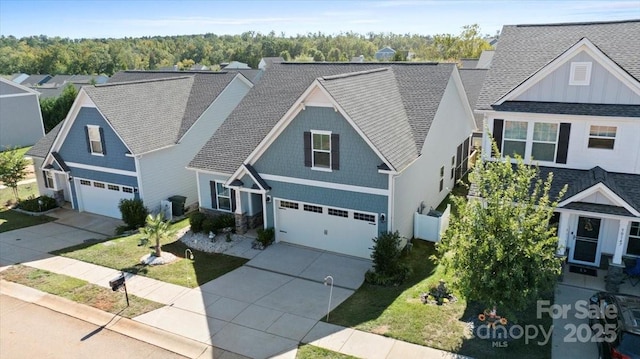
199 67
265 62
384 54
567 97
56 85
35 80
472 79
357 59
20 117
236 65
468 63
484 62
133 139
332 154
19 78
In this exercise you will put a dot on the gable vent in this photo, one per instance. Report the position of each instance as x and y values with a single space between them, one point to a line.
580 74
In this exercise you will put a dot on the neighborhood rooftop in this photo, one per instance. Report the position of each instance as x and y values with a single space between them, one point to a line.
420 87
525 49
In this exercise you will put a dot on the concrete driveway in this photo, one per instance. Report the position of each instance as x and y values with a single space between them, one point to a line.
565 340
266 307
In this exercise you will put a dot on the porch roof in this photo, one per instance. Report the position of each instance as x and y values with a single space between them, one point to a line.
599 208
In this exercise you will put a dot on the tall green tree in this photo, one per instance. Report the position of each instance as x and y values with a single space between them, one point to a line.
55 109
158 229
501 247
12 169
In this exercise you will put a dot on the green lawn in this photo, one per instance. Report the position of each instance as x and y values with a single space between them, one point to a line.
79 291
307 351
124 254
397 312
10 220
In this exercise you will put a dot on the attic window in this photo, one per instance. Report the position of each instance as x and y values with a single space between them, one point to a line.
580 74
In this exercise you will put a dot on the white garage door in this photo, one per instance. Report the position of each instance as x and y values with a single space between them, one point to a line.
328 228
101 198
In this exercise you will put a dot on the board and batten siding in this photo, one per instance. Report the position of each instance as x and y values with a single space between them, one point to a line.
623 158
603 88
358 162
20 121
163 173
420 182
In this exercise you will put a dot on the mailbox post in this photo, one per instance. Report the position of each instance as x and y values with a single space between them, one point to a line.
118 283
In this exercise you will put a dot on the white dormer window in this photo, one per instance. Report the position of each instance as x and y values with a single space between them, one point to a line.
580 74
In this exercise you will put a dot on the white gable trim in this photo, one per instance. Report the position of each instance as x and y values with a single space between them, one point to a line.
82 100
288 117
583 45
606 192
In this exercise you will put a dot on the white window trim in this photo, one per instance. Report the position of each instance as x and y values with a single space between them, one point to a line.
97 128
528 147
587 80
589 136
626 249
313 161
218 198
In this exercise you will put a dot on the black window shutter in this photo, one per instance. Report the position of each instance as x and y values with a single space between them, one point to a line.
86 132
563 143
307 149
46 182
497 134
104 148
233 200
335 151
214 195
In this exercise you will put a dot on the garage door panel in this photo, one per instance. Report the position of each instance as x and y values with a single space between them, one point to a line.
329 230
101 197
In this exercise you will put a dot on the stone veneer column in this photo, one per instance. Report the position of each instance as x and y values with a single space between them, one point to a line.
241 223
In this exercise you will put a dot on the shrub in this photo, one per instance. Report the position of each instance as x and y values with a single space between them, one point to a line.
134 213
388 268
224 221
33 204
208 225
265 236
195 220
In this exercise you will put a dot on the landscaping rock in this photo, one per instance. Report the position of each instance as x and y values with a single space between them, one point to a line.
152 260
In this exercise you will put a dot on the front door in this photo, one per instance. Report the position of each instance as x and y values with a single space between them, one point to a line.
586 249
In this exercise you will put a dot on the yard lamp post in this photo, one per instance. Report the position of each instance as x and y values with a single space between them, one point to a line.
188 254
326 282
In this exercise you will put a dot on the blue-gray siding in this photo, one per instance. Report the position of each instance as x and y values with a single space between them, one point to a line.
358 162
20 121
74 148
328 197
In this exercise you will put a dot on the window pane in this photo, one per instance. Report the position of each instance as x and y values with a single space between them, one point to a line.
94 133
543 151
545 132
604 131
634 246
635 229
321 142
321 159
513 147
601 143
224 203
515 130
96 146
222 191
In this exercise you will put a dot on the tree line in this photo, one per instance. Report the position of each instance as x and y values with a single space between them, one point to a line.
55 55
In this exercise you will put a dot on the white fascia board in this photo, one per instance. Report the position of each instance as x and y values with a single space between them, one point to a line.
328 185
582 45
605 191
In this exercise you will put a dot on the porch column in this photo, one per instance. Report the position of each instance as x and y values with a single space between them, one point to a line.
563 233
623 230
241 219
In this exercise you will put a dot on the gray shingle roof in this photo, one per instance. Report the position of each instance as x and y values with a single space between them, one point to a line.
380 114
525 49
147 115
421 86
207 86
42 147
570 108
472 79
624 185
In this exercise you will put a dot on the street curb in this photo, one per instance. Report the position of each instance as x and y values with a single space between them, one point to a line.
151 335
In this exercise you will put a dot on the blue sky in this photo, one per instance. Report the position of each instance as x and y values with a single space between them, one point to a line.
120 18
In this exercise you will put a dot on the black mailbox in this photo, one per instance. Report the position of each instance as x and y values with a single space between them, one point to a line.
116 283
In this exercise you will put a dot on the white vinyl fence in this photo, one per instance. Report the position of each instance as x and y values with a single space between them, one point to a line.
431 227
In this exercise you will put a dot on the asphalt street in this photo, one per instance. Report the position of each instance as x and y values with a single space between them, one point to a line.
31 331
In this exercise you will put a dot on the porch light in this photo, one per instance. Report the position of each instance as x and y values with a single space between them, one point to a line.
383 217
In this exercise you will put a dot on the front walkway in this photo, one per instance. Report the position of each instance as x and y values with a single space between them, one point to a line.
264 309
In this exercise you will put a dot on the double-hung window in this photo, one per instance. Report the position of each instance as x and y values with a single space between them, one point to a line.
95 140
48 179
321 148
515 138
633 247
545 138
224 197
602 137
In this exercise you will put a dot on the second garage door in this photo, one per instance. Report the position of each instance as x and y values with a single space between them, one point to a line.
333 229
101 198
